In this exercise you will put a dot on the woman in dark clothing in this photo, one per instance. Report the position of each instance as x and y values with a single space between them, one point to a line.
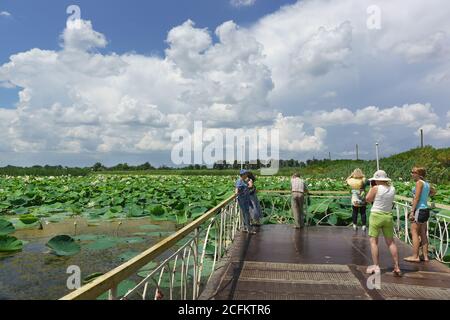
243 198
255 208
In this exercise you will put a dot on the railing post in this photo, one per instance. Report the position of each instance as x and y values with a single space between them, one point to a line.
397 209
173 277
222 213
194 291
405 210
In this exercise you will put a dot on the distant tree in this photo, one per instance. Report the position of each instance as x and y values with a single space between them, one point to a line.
144 167
98 167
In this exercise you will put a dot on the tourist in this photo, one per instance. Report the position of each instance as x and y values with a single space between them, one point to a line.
243 198
255 208
382 196
357 181
420 213
298 188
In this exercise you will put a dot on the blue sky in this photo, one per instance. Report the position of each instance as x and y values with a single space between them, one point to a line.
37 24
118 85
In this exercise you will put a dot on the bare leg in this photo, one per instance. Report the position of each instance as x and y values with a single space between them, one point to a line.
374 250
416 243
394 252
424 238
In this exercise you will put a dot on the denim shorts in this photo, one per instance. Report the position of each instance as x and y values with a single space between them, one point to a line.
421 215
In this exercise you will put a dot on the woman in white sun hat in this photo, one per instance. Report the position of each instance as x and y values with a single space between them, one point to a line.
382 195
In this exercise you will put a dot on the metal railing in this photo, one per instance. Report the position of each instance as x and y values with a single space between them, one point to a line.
182 268
189 257
439 238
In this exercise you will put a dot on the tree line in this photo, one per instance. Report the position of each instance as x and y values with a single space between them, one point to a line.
436 161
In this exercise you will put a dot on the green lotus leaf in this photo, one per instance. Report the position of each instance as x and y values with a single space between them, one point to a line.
92 277
332 220
6 227
18 202
63 245
10 244
157 210
28 219
343 215
147 269
159 218
122 289
196 212
116 209
134 211
20 210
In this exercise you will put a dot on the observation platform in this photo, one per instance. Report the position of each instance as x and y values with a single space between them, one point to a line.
324 263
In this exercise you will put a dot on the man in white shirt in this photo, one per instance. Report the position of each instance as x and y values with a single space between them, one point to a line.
298 189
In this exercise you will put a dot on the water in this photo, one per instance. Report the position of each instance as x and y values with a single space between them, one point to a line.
37 274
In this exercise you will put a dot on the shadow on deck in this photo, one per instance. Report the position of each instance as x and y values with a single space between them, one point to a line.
319 263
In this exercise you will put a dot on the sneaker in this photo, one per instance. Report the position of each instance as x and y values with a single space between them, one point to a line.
364 228
355 227
245 230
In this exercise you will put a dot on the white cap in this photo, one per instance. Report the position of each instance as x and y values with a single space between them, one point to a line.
380 175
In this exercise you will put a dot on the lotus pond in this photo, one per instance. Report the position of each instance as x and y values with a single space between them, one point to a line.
98 222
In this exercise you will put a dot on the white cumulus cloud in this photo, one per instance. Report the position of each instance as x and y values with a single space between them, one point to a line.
308 69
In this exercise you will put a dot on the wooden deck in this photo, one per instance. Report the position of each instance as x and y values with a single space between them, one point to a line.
319 263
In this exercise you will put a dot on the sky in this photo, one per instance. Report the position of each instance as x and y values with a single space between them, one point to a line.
116 84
